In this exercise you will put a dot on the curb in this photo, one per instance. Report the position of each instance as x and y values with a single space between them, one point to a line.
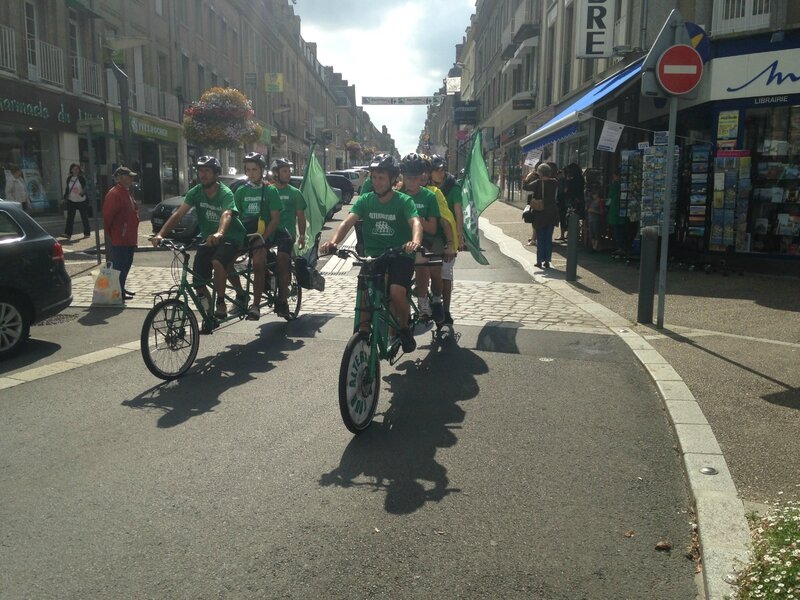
725 541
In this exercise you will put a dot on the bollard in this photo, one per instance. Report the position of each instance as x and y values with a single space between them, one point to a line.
647 273
573 232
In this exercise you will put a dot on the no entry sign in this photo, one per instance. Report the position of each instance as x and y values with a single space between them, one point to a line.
679 69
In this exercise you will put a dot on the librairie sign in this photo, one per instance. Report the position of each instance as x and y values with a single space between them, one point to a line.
762 74
594 28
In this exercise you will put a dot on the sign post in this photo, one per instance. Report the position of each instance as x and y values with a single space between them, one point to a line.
89 126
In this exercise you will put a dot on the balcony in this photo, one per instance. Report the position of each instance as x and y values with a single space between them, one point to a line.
507 45
8 53
113 91
738 16
525 23
86 77
45 63
150 99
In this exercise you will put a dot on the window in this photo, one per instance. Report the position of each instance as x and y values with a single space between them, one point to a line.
569 26
74 53
198 15
9 229
162 75
732 16
31 33
160 7
214 79
201 80
185 77
212 26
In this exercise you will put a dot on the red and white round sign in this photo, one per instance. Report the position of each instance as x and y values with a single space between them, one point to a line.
679 69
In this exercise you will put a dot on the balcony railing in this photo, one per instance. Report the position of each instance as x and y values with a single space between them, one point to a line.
113 91
46 64
150 99
86 77
8 52
169 107
734 16
147 99
526 23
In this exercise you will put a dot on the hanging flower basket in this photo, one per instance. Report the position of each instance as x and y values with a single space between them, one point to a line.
222 118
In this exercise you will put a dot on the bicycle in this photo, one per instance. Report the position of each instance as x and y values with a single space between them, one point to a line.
359 373
170 333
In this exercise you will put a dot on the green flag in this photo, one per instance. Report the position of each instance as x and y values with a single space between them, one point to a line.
320 199
478 193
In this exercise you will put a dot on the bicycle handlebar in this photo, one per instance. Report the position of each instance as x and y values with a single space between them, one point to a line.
388 253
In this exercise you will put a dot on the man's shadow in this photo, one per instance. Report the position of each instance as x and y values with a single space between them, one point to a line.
397 454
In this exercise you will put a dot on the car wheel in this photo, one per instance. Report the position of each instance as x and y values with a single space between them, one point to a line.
347 197
15 325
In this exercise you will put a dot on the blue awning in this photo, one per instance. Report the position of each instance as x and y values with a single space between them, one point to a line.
566 123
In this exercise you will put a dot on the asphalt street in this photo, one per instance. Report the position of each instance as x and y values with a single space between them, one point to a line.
525 461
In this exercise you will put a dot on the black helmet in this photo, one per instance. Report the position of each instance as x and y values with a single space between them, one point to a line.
426 163
412 164
280 162
257 158
386 162
438 162
211 162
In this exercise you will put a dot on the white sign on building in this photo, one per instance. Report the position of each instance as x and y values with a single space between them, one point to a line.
594 28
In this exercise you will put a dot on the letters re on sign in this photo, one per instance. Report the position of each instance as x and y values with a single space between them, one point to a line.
594 32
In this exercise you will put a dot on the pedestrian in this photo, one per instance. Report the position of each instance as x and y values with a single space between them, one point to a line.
76 200
561 200
595 210
121 224
17 189
527 185
545 190
618 223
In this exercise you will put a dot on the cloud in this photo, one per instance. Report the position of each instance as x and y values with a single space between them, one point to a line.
400 49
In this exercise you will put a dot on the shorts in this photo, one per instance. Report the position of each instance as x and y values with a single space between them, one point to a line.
447 269
225 253
398 271
283 240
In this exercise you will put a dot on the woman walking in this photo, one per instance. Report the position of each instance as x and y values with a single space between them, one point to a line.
75 197
17 190
545 190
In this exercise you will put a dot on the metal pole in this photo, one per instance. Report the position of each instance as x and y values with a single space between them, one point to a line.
665 215
124 91
93 195
572 247
647 274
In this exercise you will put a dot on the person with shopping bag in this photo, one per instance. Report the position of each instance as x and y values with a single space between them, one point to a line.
121 224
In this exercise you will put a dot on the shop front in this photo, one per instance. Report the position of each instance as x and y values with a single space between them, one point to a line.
38 133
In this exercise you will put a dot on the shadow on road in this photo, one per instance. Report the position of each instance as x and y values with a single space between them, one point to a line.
99 315
398 454
199 391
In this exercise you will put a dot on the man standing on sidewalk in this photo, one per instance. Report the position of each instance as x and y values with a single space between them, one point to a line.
121 223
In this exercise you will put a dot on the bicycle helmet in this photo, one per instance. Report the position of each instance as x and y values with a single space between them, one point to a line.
412 164
386 162
438 162
426 163
280 162
211 162
257 158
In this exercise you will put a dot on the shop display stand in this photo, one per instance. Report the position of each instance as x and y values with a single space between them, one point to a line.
730 201
654 186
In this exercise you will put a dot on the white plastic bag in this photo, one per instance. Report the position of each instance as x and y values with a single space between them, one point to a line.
107 290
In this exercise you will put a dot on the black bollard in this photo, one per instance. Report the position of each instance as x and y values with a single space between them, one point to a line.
573 232
647 274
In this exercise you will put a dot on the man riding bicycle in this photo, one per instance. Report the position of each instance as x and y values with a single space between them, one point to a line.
220 228
259 213
390 220
292 222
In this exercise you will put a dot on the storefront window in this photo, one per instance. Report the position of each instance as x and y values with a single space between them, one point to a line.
36 153
169 170
773 137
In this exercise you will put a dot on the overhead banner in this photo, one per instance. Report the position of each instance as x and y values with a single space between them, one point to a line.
398 100
594 31
273 83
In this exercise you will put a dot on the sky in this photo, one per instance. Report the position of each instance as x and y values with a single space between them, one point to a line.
398 48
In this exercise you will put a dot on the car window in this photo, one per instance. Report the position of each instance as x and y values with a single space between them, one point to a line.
9 228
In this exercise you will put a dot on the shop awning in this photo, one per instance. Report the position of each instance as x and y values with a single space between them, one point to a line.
566 123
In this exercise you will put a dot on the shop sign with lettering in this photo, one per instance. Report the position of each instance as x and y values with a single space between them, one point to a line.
147 128
32 107
594 31
759 75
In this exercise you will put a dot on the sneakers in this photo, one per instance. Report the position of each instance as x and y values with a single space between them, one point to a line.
437 310
221 311
240 306
282 309
253 313
407 340
424 308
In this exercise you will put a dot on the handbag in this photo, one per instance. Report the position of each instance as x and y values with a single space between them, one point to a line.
107 290
527 214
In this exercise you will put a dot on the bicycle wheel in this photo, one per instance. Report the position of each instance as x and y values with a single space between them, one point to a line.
294 297
358 389
170 339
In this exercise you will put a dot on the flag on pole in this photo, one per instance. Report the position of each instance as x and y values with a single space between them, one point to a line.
478 193
320 199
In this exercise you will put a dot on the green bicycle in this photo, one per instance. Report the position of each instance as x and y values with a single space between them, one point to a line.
360 370
170 335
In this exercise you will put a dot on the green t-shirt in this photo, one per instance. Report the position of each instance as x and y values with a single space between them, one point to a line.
254 204
209 212
453 197
291 200
385 224
427 207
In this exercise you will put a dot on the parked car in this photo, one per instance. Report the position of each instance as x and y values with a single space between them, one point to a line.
34 283
356 177
343 183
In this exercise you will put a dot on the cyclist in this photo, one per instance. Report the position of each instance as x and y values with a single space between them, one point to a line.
390 220
259 214
434 237
220 227
292 223
451 189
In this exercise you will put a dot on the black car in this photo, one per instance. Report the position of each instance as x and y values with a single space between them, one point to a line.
34 283
342 183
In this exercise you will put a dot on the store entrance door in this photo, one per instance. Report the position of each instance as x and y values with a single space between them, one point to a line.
150 175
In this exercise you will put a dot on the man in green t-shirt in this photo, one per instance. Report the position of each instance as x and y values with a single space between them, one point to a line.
292 226
259 213
220 228
390 220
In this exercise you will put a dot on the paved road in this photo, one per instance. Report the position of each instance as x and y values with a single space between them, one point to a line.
509 464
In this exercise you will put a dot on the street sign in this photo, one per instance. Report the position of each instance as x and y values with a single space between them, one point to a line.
673 32
398 100
90 125
679 69
523 104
